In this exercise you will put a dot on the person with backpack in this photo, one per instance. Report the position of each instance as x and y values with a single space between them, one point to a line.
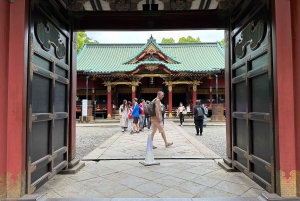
136 115
147 117
155 111
130 117
198 117
142 115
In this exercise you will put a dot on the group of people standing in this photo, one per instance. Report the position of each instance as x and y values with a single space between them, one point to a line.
134 117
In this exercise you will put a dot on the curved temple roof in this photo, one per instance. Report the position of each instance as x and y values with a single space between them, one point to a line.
184 57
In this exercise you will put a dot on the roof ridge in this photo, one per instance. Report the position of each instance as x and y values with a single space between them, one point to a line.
80 53
150 41
221 48
142 44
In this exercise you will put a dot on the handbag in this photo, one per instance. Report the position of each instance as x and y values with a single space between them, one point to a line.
184 112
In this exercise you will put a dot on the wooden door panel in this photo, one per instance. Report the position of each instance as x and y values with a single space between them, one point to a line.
252 94
48 95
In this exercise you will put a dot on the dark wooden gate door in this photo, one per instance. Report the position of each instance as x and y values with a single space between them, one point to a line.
48 91
252 93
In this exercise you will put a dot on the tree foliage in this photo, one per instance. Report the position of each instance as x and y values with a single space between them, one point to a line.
189 39
222 42
168 40
82 39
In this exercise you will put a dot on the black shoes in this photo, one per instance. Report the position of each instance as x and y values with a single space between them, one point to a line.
197 134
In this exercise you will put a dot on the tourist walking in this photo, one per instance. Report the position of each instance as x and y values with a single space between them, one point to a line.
136 115
130 117
147 116
142 115
180 112
205 115
123 112
198 117
156 119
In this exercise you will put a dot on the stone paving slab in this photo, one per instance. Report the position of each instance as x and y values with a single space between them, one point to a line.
172 179
133 146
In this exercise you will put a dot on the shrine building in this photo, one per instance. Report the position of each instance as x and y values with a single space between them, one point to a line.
184 71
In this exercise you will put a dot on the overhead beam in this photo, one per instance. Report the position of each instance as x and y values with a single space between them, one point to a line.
149 20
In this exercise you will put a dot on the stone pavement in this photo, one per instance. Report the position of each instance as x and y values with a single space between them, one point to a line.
188 169
172 179
127 146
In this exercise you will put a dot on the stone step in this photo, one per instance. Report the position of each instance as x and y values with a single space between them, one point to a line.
74 169
227 168
228 161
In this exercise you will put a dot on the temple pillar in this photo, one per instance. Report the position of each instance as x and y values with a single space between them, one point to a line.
133 92
210 97
194 94
13 88
108 107
170 99
93 95
133 85
4 23
288 175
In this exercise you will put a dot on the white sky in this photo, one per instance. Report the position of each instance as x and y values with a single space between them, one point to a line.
142 36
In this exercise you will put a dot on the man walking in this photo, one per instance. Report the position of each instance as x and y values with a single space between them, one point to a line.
135 114
198 117
156 120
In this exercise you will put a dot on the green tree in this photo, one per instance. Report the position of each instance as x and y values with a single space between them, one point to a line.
168 40
189 39
222 42
82 39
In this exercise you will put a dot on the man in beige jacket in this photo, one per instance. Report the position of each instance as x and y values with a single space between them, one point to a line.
156 121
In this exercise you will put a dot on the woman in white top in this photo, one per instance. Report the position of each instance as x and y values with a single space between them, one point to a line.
123 111
180 112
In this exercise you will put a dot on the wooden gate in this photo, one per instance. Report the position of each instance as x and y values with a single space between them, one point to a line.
48 94
252 93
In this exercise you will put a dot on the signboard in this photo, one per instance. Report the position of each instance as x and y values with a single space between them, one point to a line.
188 109
84 107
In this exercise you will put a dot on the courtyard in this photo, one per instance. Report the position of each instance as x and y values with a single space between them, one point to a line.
188 169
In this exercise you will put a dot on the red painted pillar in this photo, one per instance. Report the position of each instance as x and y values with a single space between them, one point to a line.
285 116
4 23
133 92
210 97
194 94
93 96
16 97
109 107
295 7
170 100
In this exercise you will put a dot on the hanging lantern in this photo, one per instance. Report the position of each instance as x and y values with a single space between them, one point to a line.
151 80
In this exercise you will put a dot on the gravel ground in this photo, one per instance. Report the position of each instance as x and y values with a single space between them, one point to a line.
214 137
89 138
